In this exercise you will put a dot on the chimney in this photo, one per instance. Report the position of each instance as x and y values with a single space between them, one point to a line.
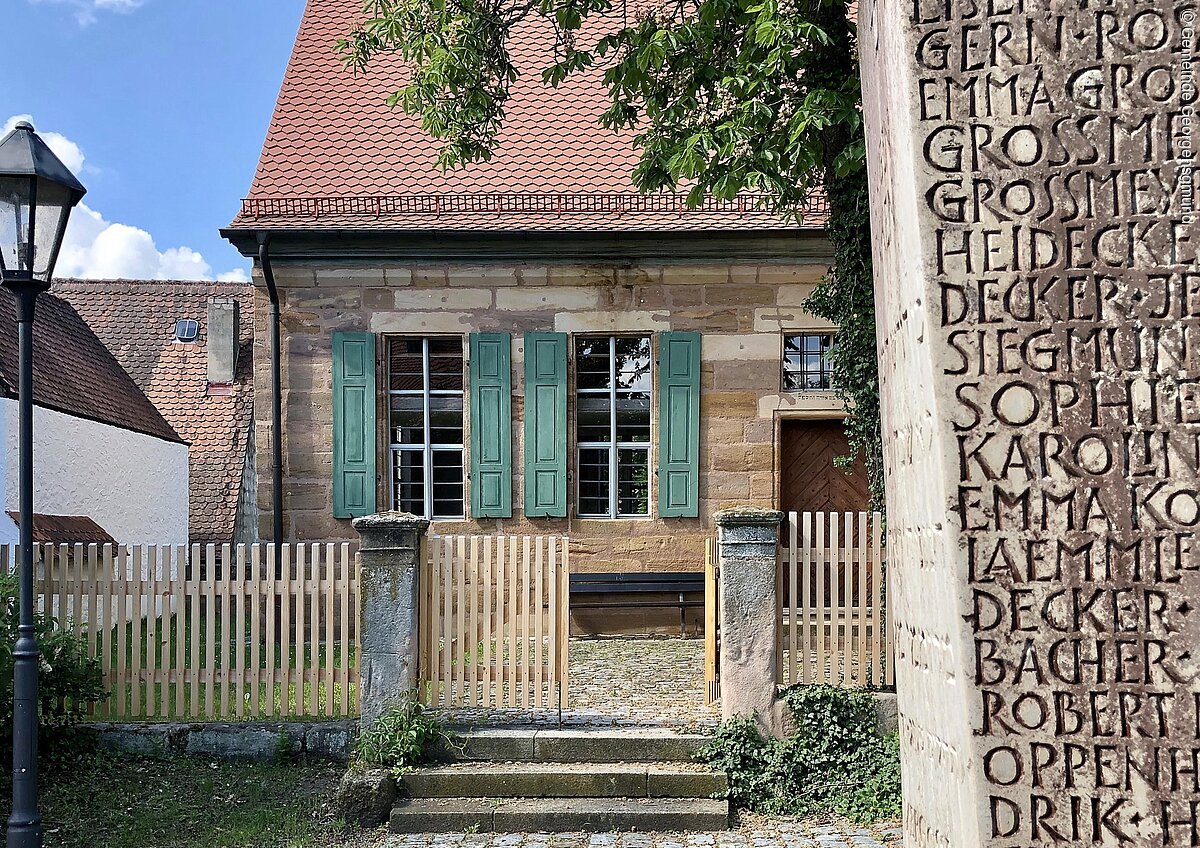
222 340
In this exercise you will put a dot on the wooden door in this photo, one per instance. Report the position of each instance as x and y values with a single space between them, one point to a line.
808 480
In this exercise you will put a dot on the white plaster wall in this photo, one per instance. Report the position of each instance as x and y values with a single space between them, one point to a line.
133 485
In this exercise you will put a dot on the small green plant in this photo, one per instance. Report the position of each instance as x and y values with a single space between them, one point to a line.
69 682
284 751
400 738
834 762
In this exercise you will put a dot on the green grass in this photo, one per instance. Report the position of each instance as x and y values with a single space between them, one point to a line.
115 803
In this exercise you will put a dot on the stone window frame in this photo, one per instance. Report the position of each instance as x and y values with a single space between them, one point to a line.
803 372
614 446
427 448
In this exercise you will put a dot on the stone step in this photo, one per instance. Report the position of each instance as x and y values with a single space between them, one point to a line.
565 780
582 745
558 815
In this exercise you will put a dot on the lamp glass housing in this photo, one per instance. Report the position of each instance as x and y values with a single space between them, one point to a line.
33 216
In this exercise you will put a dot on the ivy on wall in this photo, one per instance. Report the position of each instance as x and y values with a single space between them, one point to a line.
834 761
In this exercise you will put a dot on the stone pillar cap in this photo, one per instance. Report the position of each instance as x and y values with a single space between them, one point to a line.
390 521
748 515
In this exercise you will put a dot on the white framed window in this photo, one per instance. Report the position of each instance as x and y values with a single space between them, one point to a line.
425 425
612 426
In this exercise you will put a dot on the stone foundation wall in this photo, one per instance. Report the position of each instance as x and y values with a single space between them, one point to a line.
741 310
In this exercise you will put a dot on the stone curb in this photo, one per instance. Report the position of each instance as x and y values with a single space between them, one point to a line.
251 741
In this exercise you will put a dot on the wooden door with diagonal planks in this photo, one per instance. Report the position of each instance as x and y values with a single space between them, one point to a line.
808 479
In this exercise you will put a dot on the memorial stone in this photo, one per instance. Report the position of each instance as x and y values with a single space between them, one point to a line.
1039 319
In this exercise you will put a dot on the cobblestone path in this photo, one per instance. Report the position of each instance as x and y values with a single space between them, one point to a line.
634 682
762 833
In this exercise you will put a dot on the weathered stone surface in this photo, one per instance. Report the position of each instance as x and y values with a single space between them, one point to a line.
390 557
527 780
748 346
329 740
359 276
152 741
674 275
456 299
364 798
255 743
1035 278
598 745
443 815
548 297
779 319
887 718
420 322
248 741
612 322
481 275
747 542
732 294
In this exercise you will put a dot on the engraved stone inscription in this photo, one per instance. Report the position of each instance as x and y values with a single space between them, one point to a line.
1049 159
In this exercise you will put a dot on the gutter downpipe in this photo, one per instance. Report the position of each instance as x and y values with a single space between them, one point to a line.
264 262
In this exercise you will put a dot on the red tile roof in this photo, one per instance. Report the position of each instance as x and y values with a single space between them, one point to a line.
136 320
336 156
73 371
66 529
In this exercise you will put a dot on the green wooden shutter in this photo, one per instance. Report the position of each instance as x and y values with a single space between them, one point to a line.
491 425
679 425
546 425
353 424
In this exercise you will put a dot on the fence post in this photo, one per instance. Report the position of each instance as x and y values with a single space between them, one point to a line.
747 546
390 555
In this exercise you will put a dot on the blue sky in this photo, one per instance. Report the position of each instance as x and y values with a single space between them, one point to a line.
165 103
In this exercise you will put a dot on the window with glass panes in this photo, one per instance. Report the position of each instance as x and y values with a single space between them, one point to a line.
425 416
612 426
806 362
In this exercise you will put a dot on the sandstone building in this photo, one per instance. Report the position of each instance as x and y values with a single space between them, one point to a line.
526 345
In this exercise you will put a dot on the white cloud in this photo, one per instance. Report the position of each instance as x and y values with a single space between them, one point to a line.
95 248
86 10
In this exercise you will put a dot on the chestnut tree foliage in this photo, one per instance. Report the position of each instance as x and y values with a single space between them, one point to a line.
723 96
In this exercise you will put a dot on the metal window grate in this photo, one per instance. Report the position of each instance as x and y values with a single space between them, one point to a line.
806 362
612 426
425 425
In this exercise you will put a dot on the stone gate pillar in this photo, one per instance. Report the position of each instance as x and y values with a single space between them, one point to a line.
747 547
1039 323
390 557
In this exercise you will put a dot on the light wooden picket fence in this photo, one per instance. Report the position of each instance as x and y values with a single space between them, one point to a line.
494 622
213 631
833 604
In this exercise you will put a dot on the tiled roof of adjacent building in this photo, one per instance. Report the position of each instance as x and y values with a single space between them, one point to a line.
136 320
338 157
74 372
66 529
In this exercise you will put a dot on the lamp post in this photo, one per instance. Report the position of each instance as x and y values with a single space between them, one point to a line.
37 194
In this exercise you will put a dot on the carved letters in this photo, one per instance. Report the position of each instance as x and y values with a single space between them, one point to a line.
1053 145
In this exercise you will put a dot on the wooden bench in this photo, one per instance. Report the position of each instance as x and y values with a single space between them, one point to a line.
680 583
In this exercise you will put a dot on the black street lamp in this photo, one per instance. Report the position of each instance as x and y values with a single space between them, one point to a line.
37 194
